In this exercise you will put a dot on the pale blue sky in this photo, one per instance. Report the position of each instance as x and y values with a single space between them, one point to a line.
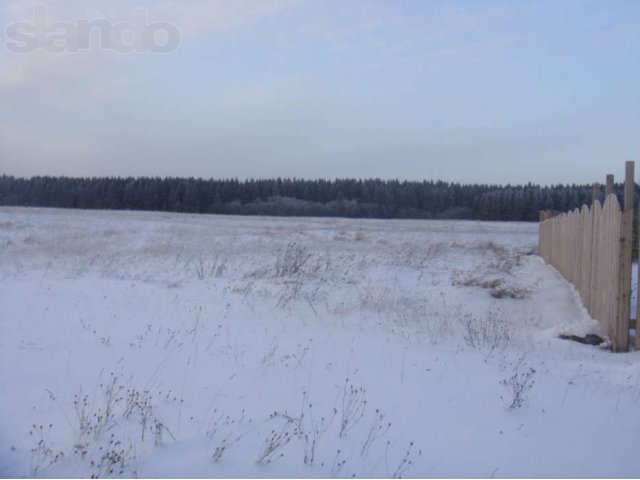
470 91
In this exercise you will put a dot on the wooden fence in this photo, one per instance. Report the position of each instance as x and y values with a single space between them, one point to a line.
591 248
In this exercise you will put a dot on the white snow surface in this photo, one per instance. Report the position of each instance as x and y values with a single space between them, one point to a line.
175 345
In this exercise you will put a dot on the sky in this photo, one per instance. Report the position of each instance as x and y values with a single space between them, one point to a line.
465 91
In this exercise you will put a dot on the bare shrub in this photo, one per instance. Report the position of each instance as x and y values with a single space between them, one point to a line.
295 290
378 429
338 464
277 440
296 358
309 428
291 260
418 258
504 264
139 403
360 237
312 431
290 292
492 246
112 411
436 249
472 281
354 404
407 461
518 385
213 267
488 333
269 357
482 246
498 286
92 419
510 291
115 457
381 299
226 429
496 275
43 453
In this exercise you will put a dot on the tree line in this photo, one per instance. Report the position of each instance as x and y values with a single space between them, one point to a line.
356 198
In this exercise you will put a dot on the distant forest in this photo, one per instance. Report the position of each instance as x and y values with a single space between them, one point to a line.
372 198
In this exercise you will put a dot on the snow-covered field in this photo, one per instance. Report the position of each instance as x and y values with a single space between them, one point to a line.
155 344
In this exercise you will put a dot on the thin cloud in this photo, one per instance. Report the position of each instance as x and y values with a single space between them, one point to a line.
326 88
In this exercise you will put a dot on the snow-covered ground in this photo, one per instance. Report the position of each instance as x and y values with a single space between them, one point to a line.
155 344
